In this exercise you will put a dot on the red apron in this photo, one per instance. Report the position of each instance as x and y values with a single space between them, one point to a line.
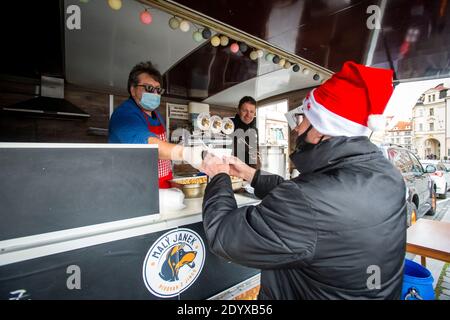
164 166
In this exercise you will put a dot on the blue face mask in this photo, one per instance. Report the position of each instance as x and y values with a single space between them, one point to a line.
150 101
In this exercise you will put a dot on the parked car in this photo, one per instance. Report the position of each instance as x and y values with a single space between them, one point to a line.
447 166
420 187
441 176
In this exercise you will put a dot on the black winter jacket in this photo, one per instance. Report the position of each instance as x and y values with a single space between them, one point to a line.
321 235
251 137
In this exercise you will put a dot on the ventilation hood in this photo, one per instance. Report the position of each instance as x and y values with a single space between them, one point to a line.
50 104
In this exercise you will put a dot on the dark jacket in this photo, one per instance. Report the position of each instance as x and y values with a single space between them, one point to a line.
249 134
317 236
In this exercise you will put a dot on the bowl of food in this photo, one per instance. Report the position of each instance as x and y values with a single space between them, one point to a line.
227 126
204 121
216 124
192 187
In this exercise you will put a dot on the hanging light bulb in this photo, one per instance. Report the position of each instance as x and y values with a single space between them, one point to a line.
269 57
234 48
115 4
197 36
287 65
260 53
276 59
282 62
146 17
206 33
243 47
185 26
306 71
215 41
224 41
174 23
254 55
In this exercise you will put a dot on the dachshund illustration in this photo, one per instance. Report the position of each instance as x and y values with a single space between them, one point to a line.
175 260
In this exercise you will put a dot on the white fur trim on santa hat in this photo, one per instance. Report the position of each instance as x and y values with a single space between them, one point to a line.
376 122
329 123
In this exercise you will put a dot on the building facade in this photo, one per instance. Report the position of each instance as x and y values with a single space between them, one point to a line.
400 134
430 124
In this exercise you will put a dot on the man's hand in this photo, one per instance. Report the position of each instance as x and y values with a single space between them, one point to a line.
213 165
239 169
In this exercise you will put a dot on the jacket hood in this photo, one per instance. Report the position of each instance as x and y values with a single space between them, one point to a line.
334 151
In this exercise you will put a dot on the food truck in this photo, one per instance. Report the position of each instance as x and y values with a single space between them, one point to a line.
84 219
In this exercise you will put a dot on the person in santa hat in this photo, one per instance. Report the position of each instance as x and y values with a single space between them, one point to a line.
338 230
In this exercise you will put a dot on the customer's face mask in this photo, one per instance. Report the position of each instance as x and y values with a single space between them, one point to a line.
301 144
150 101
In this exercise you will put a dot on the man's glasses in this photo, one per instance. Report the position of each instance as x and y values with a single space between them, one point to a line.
299 117
152 89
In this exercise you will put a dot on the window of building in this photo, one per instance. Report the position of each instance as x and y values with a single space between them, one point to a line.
420 112
431 111
433 97
420 127
429 98
398 140
431 126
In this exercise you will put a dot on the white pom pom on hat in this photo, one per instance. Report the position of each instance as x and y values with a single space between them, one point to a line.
376 122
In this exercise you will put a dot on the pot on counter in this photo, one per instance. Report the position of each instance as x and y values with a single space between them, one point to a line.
194 187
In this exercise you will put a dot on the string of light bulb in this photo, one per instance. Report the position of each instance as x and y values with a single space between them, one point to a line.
235 46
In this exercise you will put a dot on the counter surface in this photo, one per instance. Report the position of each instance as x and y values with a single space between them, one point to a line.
194 207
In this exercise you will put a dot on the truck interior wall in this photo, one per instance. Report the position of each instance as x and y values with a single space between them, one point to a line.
15 128
95 103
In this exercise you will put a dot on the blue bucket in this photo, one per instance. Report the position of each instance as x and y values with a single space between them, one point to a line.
417 282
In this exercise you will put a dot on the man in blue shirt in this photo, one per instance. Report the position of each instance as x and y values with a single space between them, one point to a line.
137 121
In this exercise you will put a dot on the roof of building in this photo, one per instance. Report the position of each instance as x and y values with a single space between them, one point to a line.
439 88
402 126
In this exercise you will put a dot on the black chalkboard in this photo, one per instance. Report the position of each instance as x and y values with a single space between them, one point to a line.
55 188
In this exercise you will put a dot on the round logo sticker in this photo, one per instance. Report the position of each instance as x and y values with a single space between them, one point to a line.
173 263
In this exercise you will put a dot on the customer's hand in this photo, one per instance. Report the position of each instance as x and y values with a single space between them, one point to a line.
240 169
193 156
213 165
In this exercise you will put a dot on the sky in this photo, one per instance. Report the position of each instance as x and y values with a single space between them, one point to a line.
406 95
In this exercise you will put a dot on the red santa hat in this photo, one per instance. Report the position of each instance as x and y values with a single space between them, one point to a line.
351 102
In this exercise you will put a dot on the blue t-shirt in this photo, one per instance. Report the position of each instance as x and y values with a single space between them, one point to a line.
129 125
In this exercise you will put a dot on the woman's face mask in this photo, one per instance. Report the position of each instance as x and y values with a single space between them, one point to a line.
150 101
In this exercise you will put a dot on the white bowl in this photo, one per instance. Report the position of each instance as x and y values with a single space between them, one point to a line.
220 152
